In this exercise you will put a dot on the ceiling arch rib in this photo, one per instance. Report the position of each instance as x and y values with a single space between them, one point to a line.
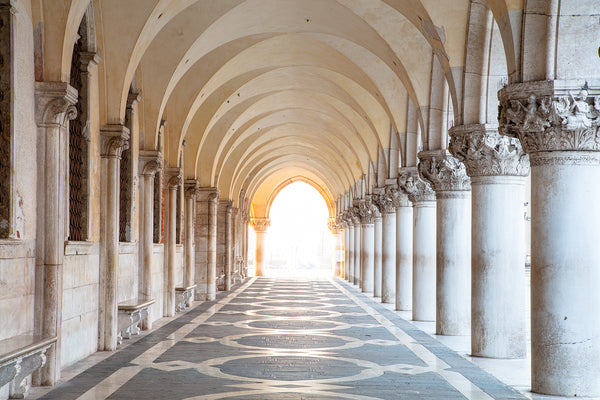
281 136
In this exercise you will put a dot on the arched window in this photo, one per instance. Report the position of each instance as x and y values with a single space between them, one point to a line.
79 140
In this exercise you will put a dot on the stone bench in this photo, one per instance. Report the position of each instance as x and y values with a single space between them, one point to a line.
184 296
20 356
131 313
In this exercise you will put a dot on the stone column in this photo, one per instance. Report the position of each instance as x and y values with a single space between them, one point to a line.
54 102
558 123
207 200
260 226
404 250
377 253
335 232
497 167
448 177
150 163
422 197
368 213
115 138
228 245
357 249
245 227
191 189
388 245
350 252
173 185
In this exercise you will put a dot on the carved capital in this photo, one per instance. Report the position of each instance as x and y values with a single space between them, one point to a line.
191 187
228 206
174 175
385 200
551 115
487 153
333 226
444 172
88 60
207 194
151 161
260 224
115 139
55 103
416 188
368 211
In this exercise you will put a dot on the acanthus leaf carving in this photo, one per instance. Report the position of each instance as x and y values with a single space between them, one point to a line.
485 152
260 224
368 211
416 188
443 171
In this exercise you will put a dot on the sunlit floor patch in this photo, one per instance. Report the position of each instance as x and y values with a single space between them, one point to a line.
285 339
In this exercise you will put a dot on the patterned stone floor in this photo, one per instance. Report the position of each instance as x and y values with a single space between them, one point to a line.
286 339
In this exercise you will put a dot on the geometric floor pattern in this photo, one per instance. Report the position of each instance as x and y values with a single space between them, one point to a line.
286 339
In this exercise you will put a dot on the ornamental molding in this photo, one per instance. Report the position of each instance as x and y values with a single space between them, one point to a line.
387 199
551 115
260 224
444 172
207 194
115 140
150 162
416 188
485 152
354 214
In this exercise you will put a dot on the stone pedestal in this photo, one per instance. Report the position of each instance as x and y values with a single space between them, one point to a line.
404 251
150 163
497 167
173 185
260 227
558 126
452 187
207 200
424 247
54 108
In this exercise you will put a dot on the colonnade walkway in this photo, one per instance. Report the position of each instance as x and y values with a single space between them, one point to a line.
285 339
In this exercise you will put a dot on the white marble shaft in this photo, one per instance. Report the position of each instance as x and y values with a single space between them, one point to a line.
388 254
350 253
377 257
260 227
357 256
367 262
404 255
424 254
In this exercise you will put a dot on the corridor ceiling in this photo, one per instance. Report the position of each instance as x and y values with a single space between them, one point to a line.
256 92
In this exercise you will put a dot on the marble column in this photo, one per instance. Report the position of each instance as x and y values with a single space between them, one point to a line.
422 197
150 163
245 227
228 246
350 252
335 233
404 250
173 184
558 123
448 177
497 167
260 226
357 249
54 102
115 138
388 245
377 254
207 200
368 213
191 188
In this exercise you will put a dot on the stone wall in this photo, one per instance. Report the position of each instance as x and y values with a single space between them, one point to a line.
128 271
80 301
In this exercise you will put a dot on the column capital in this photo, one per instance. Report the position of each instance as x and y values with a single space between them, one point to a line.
207 194
385 199
260 224
174 177
334 227
150 162
191 187
444 172
228 205
487 153
88 60
368 210
115 139
416 188
55 103
354 215
553 116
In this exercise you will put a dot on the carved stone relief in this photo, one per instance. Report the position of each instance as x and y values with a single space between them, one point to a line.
416 188
444 172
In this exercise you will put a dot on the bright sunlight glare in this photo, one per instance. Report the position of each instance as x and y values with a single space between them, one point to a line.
299 242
